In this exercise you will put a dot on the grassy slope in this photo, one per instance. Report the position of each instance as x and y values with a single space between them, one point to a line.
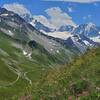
82 77
12 56
34 69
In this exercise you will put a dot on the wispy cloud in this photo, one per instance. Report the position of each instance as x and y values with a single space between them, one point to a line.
78 1
17 8
58 17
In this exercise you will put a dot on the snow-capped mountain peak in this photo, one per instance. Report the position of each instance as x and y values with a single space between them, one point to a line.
89 26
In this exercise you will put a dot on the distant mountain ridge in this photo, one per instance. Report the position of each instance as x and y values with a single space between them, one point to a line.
81 37
90 30
88 35
17 28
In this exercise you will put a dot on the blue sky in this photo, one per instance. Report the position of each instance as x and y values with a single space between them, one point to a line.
78 12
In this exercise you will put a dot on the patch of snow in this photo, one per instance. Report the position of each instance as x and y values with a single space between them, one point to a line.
96 39
51 49
29 55
10 33
3 15
32 23
57 51
50 42
87 43
89 26
43 31
61 35
24 53
76 38
75 41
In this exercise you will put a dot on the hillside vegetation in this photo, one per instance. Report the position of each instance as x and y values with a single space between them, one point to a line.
80 79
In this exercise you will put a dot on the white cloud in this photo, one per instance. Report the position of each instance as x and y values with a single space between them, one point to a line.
58 17
78 1
17 8
43 20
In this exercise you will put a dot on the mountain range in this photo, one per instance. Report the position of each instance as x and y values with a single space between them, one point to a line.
68 38
82 36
